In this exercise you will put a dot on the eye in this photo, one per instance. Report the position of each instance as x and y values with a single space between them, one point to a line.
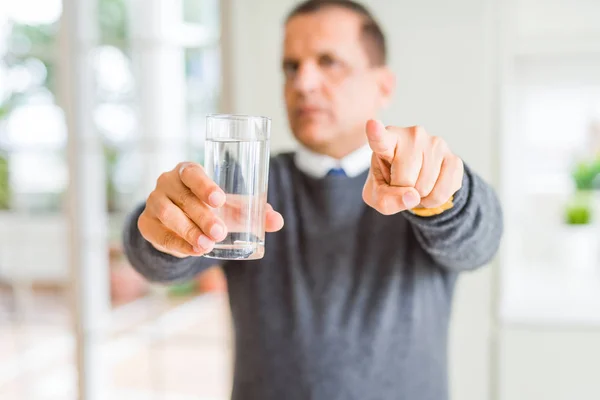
327 61
290 68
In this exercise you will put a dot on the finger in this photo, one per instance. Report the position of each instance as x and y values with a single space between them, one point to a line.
448 182
382 142
165 240
408 160
368 192
193 177
175 220
274 221
390 200
433 155
399 198
379 170
198 211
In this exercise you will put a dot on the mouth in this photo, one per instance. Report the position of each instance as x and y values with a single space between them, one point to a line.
309 112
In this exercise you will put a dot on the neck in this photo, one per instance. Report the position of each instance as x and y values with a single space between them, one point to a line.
339 150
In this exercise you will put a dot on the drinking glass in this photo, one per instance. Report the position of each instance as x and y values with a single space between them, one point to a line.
237 159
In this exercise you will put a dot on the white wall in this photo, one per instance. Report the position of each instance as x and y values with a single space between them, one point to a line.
443 54
33 247
550 335
550 363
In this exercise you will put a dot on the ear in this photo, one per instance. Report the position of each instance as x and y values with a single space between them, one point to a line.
387 85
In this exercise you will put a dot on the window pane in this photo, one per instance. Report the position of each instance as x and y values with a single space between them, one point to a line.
203 12
203 70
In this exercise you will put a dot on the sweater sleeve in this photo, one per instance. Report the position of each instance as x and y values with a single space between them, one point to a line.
468 235
153 264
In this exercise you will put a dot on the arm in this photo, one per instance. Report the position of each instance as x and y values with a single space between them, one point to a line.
153 264
411 168
467 235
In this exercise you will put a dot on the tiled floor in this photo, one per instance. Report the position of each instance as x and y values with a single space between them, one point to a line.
160 348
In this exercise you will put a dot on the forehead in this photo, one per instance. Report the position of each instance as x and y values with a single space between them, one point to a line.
329 29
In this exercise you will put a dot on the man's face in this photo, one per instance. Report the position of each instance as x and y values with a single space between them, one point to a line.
331 88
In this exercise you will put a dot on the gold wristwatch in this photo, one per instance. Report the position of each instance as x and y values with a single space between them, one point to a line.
429 212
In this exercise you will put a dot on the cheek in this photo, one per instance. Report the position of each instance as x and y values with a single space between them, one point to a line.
287 93
357 99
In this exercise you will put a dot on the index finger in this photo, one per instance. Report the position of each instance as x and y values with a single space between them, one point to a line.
193 176
382 142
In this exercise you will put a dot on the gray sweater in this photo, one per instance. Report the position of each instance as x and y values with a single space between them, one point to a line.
347 303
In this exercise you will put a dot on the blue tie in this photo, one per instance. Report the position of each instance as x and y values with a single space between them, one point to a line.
336 172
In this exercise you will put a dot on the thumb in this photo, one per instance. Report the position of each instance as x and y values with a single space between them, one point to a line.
393 199
382 142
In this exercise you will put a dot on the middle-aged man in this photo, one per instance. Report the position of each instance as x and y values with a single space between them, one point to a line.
352 299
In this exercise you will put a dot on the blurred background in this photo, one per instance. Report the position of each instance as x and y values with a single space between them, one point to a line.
98 97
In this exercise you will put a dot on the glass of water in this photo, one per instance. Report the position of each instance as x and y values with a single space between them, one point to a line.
237 159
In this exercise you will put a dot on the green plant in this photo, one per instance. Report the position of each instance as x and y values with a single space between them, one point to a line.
6 107
111 157
578 215
579 210
585 174
183 288
112 17
4 111
4 184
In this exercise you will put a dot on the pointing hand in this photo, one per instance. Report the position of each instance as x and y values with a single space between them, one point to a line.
409 169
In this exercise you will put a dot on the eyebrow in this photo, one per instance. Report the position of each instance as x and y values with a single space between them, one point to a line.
289 60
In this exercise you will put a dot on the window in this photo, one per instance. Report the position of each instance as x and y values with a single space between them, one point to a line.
32 126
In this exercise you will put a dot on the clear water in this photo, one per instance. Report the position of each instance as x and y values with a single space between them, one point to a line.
241 169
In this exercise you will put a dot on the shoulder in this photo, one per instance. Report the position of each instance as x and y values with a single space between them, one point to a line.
282 160
282 166
281 174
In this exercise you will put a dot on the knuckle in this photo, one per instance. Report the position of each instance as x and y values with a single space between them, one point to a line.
142 224
168 240
153 198
438 144
191 233
199 214
163 179
203 220
458 164
436 199
185 199
418 132
454 165
163 211
423 189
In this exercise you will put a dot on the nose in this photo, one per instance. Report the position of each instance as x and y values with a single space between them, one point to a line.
308 78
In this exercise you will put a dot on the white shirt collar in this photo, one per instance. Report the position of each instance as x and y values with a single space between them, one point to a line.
318 165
